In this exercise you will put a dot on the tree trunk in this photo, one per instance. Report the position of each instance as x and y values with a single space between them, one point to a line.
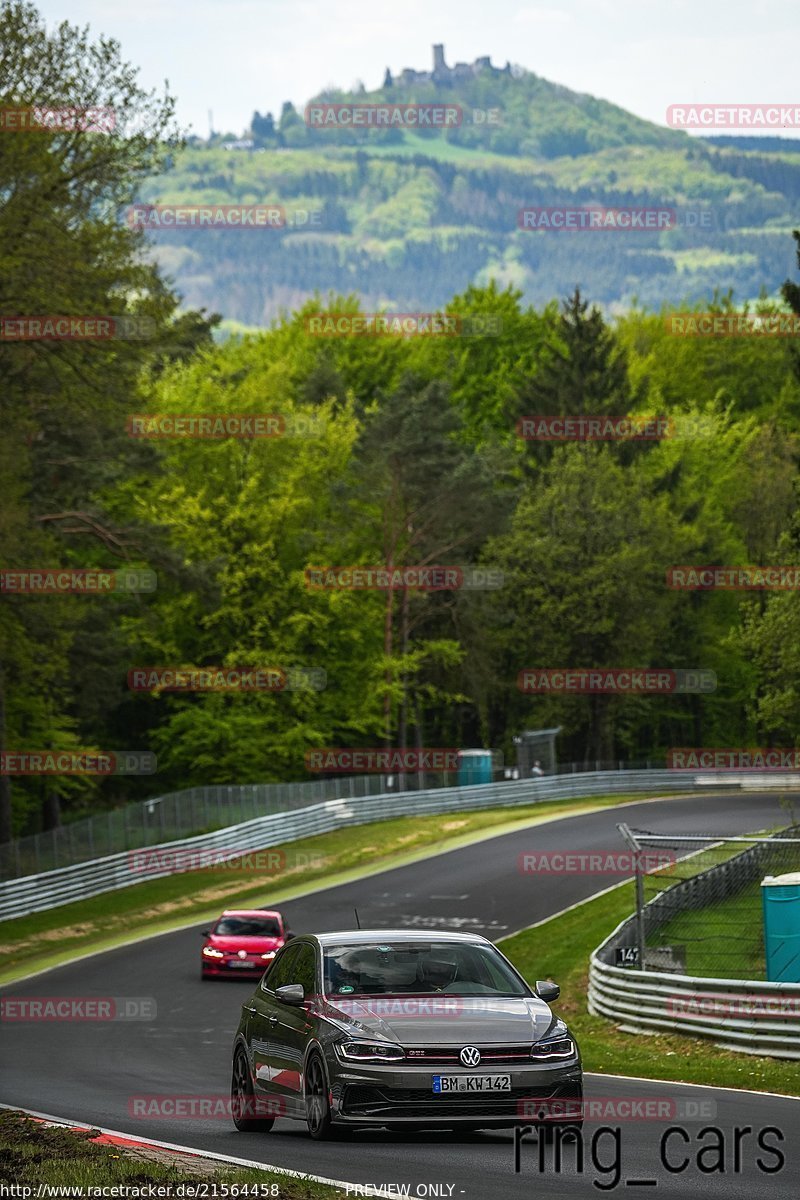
5 781
422 780
51 809
387 650
403 723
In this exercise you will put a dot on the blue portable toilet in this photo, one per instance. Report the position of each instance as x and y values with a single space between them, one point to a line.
781 895
474 766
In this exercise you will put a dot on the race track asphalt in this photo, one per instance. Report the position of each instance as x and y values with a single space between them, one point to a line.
94 1071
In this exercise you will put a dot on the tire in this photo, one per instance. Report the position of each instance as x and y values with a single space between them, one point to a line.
243 1099
318 1109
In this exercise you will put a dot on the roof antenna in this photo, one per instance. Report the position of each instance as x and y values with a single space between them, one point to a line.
358 923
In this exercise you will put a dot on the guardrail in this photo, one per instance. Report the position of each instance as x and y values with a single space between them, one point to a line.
32 893
768 1020
158 819
750 1016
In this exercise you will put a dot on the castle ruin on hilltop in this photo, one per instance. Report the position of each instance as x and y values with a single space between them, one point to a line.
443 74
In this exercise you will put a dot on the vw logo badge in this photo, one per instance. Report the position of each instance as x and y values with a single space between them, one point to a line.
242 954
470 1056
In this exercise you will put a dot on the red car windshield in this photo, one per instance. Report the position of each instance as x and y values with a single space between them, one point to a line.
247 927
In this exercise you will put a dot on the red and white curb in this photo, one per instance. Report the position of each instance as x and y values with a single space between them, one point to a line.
113 1137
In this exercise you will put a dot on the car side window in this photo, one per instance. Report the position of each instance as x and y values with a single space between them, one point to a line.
281 971
304 969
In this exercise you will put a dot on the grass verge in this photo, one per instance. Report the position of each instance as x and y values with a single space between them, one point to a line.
56 935
723 940
560 949
34 1154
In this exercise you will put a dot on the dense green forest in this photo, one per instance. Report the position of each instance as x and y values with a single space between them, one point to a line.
411 456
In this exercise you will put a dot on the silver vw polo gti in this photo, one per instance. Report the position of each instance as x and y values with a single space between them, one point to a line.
401 1029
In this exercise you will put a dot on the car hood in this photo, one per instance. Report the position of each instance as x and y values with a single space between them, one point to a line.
441 1020
253 945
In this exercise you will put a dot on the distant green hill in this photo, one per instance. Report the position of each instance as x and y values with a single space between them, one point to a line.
406 218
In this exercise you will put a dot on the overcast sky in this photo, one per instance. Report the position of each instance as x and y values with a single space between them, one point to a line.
236 56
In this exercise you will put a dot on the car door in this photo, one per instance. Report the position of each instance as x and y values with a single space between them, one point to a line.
293 1028
262 1024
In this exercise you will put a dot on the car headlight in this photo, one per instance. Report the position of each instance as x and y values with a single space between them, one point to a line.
372 1052
554 1047
269 954
210 952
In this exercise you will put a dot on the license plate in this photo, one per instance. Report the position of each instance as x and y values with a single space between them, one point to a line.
471 1083
238 963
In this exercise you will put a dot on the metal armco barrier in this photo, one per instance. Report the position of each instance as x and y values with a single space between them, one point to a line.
660 1002
182 814
751 1016
32 893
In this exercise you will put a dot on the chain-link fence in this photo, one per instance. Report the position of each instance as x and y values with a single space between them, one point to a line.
168 818
203 809
698 900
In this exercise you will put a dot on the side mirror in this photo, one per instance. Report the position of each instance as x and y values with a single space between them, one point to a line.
292 994
206 933
547 991
288 935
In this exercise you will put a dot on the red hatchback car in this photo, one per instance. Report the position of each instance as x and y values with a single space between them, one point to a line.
243 943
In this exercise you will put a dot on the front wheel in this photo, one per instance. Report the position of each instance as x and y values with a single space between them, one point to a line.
318 1109
243 1101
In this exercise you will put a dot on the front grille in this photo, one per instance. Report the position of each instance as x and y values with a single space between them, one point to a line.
420 1102
448 1055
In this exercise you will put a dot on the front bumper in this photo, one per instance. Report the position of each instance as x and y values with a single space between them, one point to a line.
403 1094
219 968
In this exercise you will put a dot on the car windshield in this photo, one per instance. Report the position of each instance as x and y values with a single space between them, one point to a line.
402 968
247 927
